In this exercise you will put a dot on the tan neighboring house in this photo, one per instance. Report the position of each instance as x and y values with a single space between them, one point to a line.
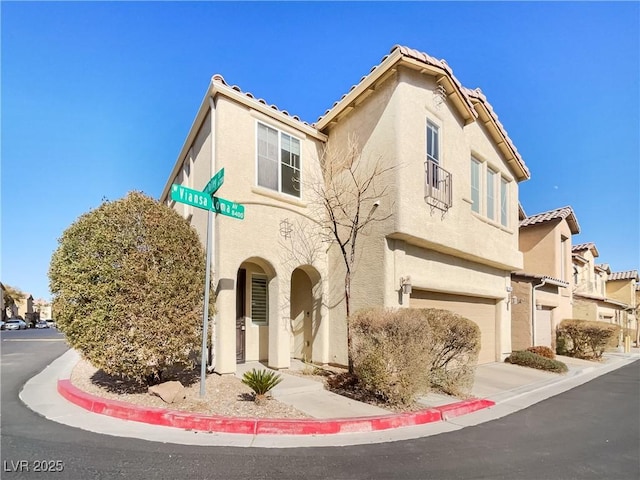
590 301
623 287
542 292
450 240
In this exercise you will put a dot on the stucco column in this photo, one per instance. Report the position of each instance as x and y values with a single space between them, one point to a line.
225 325
322 340
503 330
279 329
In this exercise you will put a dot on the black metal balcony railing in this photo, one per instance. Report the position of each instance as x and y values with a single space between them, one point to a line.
437 186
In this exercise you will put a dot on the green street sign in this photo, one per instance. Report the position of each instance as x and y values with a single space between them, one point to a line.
230 209
190 197
215 183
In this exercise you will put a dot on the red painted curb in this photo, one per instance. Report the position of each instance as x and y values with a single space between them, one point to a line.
262 426
462 408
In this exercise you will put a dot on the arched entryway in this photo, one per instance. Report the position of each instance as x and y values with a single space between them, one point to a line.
305 311
254 297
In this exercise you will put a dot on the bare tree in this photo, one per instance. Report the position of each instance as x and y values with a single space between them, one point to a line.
347 197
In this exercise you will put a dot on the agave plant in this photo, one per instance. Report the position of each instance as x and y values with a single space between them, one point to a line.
261 382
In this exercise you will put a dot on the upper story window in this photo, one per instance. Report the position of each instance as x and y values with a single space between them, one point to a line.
433 142
438 192
491 195
490 198
278 162
504 202
475 185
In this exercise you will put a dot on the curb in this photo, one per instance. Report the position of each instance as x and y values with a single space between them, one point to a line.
264 426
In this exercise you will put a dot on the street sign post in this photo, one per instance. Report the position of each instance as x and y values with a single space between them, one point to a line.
230 209
190 196
215 183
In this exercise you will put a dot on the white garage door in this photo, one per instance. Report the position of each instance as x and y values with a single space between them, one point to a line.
480 310
543 328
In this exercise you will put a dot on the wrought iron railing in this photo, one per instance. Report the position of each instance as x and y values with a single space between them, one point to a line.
437 186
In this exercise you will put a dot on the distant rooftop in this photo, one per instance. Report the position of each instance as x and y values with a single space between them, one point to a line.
557 214
628 275
581 247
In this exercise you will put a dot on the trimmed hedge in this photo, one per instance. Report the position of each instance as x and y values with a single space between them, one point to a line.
543 351
399 353
585 339
527 358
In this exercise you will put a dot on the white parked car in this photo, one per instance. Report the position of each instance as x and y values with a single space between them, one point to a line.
15 324
42 324
51 323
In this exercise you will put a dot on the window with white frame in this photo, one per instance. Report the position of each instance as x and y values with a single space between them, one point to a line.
475 185
259 299
490 198
278 161
491 194
504 202
433 142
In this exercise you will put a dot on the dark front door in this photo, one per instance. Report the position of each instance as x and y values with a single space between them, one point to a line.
241 285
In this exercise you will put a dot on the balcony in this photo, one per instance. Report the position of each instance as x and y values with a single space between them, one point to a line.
437 192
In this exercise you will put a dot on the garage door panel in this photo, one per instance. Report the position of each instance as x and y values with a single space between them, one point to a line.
482 311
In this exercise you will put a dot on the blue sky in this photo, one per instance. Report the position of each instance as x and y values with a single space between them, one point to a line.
97 98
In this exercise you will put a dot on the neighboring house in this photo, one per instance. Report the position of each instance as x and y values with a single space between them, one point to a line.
451 235
542 291
43 309
623 287
590 300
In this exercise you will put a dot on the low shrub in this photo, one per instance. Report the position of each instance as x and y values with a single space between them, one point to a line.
542 351
389 355
261 382
526 358
454 345
585 339
399 353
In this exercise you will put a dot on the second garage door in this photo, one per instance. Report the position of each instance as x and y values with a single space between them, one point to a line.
480 310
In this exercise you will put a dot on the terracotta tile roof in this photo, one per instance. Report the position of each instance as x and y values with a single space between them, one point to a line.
557 214
477 94
220 79
628 275
581 247
604 267
469 99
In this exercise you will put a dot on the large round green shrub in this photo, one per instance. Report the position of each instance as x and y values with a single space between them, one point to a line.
128 285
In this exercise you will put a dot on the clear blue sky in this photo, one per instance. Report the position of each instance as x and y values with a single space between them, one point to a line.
97 98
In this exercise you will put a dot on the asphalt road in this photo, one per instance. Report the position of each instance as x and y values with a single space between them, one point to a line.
590 432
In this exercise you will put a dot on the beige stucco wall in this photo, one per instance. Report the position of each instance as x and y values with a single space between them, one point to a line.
256 242
622 290
416 240
521 329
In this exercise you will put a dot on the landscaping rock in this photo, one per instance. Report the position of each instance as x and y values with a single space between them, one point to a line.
169 392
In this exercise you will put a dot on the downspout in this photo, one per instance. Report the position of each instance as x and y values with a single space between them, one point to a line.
214 332
533 310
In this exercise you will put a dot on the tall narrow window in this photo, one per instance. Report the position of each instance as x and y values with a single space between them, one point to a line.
504 202
259 299
491 194
290 158
433 147
267 157
475 185
433 153
563 258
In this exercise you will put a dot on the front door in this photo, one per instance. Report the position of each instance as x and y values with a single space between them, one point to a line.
241 286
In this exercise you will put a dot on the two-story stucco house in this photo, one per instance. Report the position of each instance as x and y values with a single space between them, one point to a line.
542 291
590 301
450 234
622 286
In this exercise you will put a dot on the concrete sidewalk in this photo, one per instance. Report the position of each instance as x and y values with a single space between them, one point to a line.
507 388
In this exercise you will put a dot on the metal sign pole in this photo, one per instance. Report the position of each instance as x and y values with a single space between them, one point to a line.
205 310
